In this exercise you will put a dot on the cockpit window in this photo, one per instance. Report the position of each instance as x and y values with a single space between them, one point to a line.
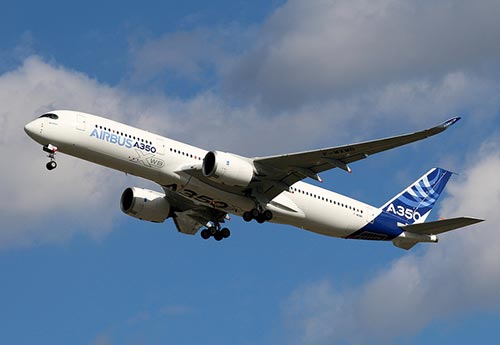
50 116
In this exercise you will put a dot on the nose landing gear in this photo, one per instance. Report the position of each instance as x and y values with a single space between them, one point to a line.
51 150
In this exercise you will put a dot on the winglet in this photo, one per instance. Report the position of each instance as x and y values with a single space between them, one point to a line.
450 122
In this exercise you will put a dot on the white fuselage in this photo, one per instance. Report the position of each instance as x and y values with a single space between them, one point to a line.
159 159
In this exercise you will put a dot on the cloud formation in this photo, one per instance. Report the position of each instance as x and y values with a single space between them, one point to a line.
34 199
335 48
458 275
186 55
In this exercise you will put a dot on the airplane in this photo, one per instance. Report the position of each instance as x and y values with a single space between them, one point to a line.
202 188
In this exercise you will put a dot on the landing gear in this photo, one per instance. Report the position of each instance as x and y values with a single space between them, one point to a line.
216 232
51 150
259 216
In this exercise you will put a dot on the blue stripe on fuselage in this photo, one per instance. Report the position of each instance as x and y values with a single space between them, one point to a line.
384 224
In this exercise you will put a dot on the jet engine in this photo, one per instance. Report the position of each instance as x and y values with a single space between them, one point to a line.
228 169
145 204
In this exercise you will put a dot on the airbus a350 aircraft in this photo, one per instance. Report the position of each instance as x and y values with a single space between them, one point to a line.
201 189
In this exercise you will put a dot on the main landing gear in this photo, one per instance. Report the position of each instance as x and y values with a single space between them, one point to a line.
259 216
215 231
51 150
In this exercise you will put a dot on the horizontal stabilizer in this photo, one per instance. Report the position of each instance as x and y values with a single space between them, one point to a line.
440 226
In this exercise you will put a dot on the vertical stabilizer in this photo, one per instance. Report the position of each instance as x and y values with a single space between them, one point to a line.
413 205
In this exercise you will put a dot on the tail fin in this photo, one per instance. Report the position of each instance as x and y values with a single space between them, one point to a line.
413 205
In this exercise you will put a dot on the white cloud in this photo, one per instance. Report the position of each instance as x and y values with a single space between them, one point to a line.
180 53
70 198
101 339
458 275
310 305
190 57
337 48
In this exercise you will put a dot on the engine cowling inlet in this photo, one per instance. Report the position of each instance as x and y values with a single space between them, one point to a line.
228 168
145 204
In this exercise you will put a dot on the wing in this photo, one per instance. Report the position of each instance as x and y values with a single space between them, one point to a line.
277 173
189 216
189 222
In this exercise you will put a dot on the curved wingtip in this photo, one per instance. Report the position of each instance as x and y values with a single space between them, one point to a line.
450 122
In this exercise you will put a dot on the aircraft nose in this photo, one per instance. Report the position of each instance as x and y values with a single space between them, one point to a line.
32 128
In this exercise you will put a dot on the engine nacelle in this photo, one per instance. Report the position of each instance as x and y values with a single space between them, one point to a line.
228 169
145 204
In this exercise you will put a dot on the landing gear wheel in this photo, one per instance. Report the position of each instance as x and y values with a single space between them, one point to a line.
255 213
212 230
247 217
268 215
51 165
218 236
260 219
225 232
205 234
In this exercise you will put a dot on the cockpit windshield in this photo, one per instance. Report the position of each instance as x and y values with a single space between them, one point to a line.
50 116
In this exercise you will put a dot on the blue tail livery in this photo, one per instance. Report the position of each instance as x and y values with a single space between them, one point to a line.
413 205
402 218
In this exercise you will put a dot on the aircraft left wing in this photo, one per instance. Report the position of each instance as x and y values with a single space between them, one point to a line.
189 222
188 216
277 173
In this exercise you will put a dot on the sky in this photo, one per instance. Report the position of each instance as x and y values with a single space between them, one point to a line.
254 78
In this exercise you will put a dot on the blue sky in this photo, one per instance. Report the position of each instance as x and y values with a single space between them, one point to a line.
254 78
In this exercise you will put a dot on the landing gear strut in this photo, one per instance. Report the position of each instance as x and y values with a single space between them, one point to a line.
51 150
259 216
215 231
